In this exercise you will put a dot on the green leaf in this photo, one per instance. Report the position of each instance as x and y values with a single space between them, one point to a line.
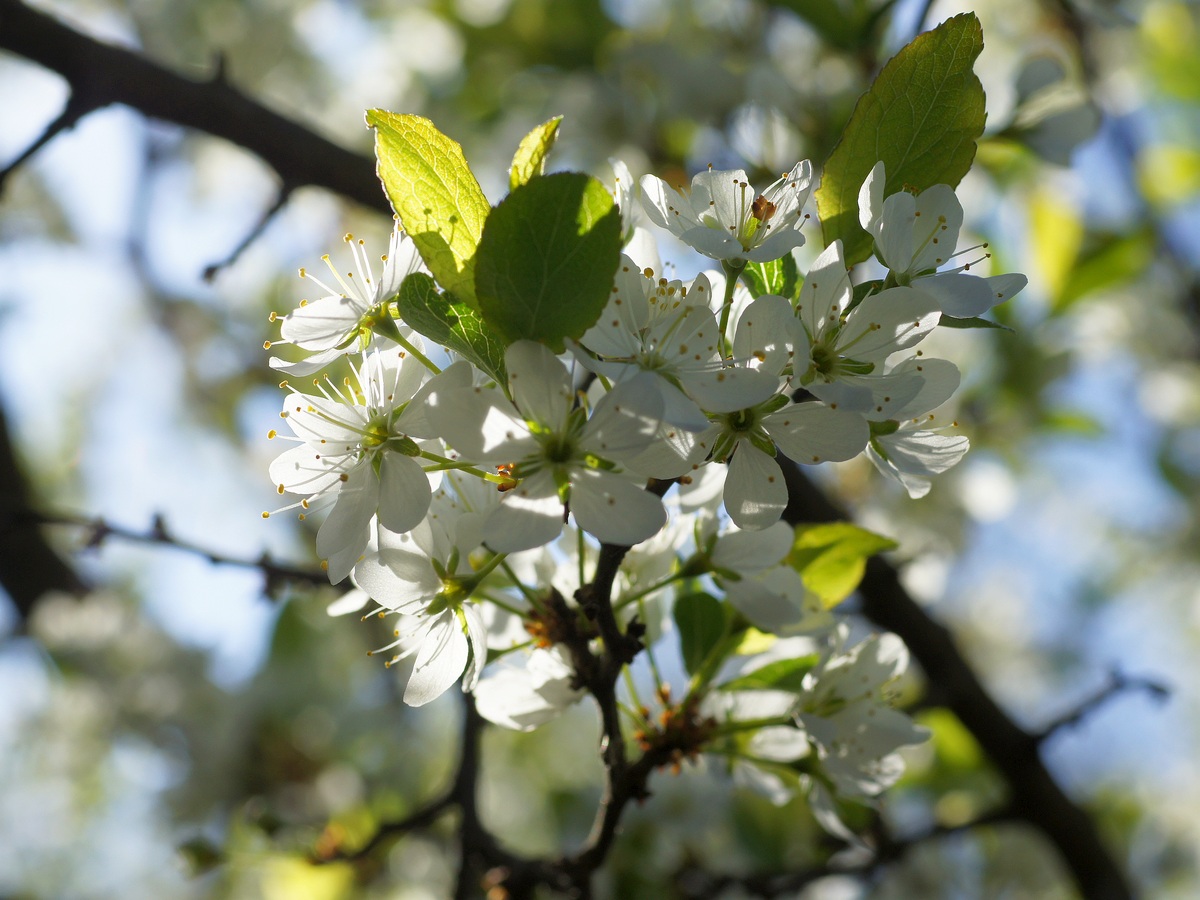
448 321
546 263
781 675
435 194
779 276
831 558
971 322
921 117
700 619
1116 260
530 158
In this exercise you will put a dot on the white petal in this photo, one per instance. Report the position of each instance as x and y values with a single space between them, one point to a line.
414 421
679 409
402 580
615 510
540 385
440 661
403 492
314 363
666 207
940 380
626 419
963 296
939 217
302 470
755 494
477 641
403 259
874 397
750 551
812 433
531 515
321 421
322 324
343 536
894 231
480 424
351 601
728 390
766 334
768 608
870 197
826 291
891 320
924 453
674 452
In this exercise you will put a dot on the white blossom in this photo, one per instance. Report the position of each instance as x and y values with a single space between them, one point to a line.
344 319
723 218
356 452
555 453
917 235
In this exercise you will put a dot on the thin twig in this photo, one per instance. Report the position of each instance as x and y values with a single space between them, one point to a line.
1118 683
285 193
98 530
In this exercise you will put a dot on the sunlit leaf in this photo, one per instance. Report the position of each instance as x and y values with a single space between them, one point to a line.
530 158
831 558
921 117
435 194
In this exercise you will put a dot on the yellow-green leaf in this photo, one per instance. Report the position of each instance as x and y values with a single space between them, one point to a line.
831 558
435 194
530 158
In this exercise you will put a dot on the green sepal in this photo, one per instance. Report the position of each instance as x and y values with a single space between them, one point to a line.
530 159
434 193
922 117
445 320
545 266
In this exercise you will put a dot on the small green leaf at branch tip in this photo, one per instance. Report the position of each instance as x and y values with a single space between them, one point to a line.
973 322
545 266
701 621
530 159
444 319
831 558
436 196
922 117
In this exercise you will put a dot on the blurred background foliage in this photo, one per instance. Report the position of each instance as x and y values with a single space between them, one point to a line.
180 732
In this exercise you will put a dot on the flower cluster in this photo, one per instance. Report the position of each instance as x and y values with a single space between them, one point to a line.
470 505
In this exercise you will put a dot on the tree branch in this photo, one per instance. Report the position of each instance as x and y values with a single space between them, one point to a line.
103 75
1118 683
1035 796
97 531
100 75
